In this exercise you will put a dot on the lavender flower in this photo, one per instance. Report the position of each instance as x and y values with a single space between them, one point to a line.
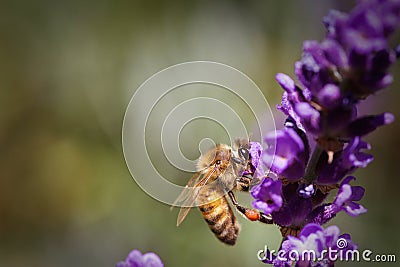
344 162
367 124
351 63
255 155
137 259
268 195
287 158
292 96
295 208
345 199
336 74
315 246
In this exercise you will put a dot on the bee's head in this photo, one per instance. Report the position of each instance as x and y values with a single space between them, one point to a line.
241 150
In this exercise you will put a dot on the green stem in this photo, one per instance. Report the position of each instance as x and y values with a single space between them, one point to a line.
311 173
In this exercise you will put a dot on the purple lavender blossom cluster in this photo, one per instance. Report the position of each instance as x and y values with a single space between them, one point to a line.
314 244
322 141
136 259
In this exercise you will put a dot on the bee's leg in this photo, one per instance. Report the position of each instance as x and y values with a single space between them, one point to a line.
251 214
244 183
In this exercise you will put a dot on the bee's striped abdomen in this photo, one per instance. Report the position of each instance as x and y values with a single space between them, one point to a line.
220 218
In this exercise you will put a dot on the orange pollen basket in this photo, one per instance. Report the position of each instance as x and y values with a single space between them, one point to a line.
252 215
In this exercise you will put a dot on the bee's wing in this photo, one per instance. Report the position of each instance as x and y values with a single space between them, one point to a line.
186 190
189 194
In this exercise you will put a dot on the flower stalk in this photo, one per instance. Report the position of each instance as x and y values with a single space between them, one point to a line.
311 173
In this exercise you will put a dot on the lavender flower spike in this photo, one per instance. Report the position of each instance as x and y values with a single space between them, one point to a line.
350 64
137 259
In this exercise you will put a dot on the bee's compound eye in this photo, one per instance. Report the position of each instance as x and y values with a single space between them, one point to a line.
243 152
218 162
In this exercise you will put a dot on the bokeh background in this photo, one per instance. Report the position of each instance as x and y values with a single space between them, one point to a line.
67 72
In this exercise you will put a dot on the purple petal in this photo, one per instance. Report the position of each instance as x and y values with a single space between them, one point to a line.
134 259
366 21
151 259
312 50
285 105
267 195
330 96
335 53
383 82
287 109
354 209
280 164
343 195
357 193
362 45
259 172
318 240
311 238
353 158
361 160
255 155
334 22
288 143
310 228
345 199
285 82
367 124
266 208
331 234
310 117
289 156
390 16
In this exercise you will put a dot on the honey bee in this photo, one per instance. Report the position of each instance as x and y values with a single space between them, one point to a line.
219 173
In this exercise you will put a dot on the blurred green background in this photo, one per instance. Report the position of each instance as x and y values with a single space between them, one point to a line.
67 72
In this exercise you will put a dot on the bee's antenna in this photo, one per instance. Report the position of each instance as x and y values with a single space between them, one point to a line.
250 137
